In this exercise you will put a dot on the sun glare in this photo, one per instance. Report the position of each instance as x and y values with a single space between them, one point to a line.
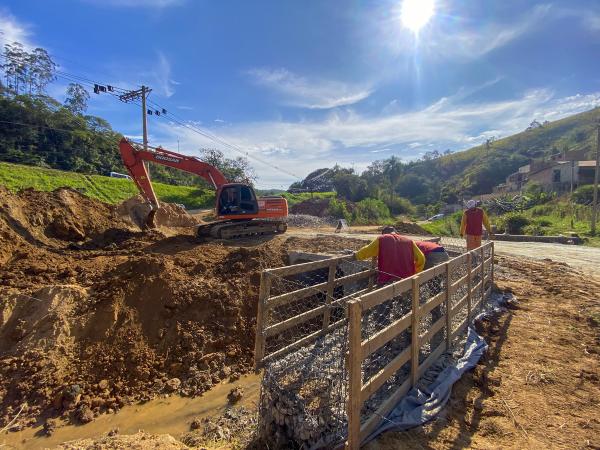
416 13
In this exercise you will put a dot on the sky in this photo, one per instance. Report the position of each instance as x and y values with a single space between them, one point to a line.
301 85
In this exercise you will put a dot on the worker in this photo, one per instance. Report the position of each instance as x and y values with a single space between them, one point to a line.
397 256
472 223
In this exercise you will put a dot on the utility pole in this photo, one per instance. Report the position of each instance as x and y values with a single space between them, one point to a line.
596 176
142 94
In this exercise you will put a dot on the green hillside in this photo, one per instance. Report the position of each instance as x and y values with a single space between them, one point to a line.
111 190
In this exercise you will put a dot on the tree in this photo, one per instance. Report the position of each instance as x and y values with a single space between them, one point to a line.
27 72
236 170
77 98
42 68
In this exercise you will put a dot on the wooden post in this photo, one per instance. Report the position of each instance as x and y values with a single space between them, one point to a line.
482 275
373 278
469 284
492 268
414 341
263 295
329 293
448 309
354 370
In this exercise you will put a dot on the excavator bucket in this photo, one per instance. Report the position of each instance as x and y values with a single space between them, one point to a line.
150 219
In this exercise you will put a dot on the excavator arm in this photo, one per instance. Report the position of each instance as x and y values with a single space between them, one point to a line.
134 157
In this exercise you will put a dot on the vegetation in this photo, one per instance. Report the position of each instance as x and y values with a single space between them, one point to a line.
294 198
111 190
40 131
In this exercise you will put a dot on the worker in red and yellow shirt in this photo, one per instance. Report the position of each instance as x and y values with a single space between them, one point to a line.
472 223
397 256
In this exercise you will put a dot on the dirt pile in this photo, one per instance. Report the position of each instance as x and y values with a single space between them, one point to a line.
86 329
168 215
138 441
410 228
312 207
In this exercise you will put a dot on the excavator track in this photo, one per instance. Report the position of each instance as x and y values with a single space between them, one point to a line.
236 229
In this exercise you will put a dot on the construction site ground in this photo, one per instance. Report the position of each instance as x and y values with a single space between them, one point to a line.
155 329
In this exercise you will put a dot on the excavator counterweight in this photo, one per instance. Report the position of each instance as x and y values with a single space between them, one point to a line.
239 211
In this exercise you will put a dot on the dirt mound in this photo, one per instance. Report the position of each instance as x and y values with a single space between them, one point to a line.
168 215
411 228
138 441
51 219
312 207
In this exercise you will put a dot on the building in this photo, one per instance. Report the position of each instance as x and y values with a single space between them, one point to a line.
559 176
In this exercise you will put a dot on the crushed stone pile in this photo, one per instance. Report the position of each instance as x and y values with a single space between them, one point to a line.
85 330
308 221
168 215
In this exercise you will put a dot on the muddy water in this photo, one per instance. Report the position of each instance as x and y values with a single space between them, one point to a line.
171 415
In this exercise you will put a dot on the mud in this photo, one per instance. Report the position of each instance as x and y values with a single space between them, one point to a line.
168 215
105 316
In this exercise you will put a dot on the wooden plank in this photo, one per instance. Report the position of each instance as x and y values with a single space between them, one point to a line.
414 342
482 271
459 305
354 370
458 283
354 277
373 422
293 321
431 273
381 338
469 282
432 358
298 294
457 261
384 374
329 294
434 328
434 301
448 309
259 342
385 293
302 342
309 266
460 328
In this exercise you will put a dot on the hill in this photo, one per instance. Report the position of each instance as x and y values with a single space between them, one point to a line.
446 176
110 190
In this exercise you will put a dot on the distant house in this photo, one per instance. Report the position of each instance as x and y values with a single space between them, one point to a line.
559 175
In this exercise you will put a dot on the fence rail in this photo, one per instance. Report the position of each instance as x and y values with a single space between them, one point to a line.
478 267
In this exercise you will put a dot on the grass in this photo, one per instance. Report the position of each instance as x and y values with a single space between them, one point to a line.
447 226
300 197
16 177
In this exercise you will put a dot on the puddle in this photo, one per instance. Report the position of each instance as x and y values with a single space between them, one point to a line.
171 415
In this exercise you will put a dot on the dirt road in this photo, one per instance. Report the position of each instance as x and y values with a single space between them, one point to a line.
586 259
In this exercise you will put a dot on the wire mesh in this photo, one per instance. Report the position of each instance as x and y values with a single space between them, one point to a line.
305 387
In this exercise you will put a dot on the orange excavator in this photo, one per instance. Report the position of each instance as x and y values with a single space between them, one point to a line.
239 211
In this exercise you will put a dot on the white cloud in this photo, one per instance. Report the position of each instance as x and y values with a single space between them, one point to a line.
314 94
136 3
162 76
346 139
12 30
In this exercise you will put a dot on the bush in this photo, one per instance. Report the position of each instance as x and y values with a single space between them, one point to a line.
543 223
514 223
399 205
339 210
584 195
534 230
543 210
370 211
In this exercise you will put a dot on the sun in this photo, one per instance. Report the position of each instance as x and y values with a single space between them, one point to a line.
416 13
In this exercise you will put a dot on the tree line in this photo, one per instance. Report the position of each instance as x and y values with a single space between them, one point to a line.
36 129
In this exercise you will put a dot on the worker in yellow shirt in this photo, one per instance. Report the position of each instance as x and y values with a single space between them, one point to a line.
397 256
472 223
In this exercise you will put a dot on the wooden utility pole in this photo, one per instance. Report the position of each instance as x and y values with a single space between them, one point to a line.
596 176
144 117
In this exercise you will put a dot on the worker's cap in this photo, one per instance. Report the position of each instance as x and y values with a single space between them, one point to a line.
388 230
471 204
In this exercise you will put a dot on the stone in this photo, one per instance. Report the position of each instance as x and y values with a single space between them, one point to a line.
173 384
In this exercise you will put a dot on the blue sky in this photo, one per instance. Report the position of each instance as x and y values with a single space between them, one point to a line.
307 84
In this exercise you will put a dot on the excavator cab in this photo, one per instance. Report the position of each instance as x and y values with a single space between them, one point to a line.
236 200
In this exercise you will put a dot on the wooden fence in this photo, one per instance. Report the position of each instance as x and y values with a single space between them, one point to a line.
333 291
479 269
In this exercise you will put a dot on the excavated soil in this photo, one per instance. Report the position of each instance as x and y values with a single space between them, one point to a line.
95 315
